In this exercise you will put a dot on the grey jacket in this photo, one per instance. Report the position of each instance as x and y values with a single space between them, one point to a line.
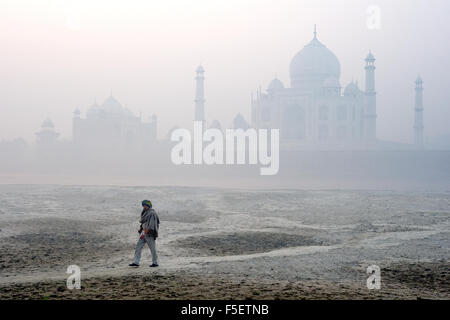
150 220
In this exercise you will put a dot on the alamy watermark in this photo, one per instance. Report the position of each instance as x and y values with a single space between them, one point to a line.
373 21
374 281
229 149
74 280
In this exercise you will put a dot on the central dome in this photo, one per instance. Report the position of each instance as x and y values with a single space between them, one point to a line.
109 108
313 64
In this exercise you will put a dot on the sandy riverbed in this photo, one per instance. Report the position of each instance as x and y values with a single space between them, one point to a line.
222 243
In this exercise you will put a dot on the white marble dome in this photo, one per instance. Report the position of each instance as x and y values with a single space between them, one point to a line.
314 63
352 89
275 85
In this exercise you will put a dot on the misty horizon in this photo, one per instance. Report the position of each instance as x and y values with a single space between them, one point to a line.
62 56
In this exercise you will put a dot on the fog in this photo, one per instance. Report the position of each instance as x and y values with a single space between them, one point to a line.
61 55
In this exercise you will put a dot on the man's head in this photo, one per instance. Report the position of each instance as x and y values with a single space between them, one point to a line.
147 204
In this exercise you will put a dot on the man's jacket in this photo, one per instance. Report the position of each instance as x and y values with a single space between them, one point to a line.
150 221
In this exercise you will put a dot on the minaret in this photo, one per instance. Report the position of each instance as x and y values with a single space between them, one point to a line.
418 112
370 110
200 95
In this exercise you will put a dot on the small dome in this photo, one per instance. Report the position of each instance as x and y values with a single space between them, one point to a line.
215 125
352 89
275 85
331 82
419 79
370 57
48 124
93 109
200 69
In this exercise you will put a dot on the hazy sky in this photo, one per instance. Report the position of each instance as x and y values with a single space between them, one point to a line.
59 55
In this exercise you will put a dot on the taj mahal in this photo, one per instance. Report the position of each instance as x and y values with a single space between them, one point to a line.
314 111
314 108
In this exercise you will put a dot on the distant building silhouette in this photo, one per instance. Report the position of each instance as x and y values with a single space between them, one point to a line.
47 136
112 124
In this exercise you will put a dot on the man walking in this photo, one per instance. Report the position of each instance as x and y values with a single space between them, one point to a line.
148 232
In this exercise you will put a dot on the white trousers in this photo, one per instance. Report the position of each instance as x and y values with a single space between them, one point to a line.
140 245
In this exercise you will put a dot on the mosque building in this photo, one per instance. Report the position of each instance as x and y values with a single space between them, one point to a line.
112 123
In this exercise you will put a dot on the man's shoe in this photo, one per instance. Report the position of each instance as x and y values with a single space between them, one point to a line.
133 265
153 265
